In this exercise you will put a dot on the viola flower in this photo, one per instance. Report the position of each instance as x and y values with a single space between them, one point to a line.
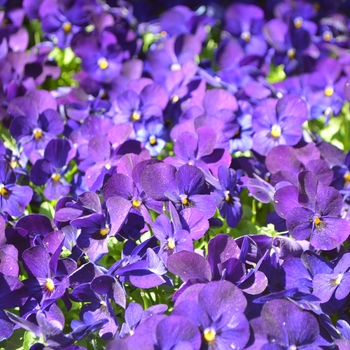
13 198
334 283
185 188
293 46
135 107
282 325
172 57
278 122
152 135
199 149
35 120
327 84
50 170
182 20
226 196
218 311
45 283
100 54
285 162
173 238
62 21
127 184
299 15
313 209
96 229
245 22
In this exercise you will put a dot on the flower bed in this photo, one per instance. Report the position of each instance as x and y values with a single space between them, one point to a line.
174 176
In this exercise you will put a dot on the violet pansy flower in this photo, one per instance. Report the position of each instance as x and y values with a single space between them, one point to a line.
278 123
313 209
50 170
13 198
35 120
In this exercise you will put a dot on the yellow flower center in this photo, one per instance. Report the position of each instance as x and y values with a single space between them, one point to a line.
104 231
337 281
108 166
246 36
13 162
175 99
317 221
298 22
135 116
102 63
328 91
136 203
347 176
291 53
209 335
152 140
171 243
184 200
38 133
49 285
55 177
227 196
327 36
276 131
67 27
4 192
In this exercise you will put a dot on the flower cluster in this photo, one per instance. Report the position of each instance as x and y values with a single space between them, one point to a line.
174 176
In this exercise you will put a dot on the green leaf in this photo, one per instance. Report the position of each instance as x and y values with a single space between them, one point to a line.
29 339
276 74
47 209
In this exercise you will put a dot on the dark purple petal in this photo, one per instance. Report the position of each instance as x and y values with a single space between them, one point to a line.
217 297
118 209
285 200
158 178
300 222
178 332
188 265
332 231
221 248
36 260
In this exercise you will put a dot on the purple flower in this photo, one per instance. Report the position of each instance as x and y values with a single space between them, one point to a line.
35 120
97 228
313 209
50 170
335 283
185 187
171 235
246 22
200 150
282 325
100 54
13 198
217 308
285 162
278 123
62 21
226 196
140 106
45 283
